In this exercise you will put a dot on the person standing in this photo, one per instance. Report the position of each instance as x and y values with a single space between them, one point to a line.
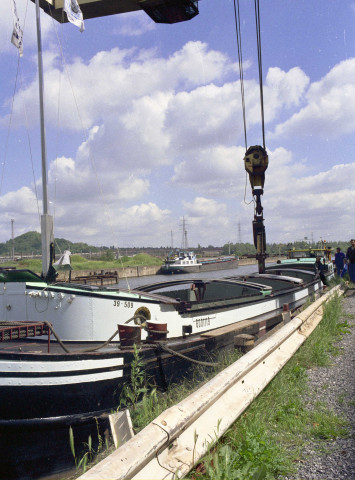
350 256
339 261
319 269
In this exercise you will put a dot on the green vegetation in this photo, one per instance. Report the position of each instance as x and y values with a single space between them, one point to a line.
134 390
30 244
153 402
100 263
88 452
268 438
80 263
277 248
86 457
266 441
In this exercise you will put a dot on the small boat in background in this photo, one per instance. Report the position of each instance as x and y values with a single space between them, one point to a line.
187 262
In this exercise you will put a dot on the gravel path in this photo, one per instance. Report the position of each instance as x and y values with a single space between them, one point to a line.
334 385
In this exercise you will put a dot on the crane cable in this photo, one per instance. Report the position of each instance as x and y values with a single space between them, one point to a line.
258 41
240 61
241 72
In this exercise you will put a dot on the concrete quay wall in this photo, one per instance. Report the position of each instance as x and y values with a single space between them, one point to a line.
126 272
141 271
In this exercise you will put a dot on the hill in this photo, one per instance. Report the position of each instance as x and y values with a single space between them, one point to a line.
30 244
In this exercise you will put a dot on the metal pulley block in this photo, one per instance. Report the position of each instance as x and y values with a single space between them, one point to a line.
256 162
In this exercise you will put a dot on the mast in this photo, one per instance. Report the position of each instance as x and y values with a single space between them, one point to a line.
184 245
46 219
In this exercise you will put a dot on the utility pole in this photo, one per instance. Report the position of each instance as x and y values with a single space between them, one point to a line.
46 219
13 240
184 245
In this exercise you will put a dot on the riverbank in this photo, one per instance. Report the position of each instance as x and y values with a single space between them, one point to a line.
133 272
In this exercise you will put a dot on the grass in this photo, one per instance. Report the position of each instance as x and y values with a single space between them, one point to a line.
267 439
154 401
80 263
146 405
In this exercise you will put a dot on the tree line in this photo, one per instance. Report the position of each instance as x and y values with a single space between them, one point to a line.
30 244
241 249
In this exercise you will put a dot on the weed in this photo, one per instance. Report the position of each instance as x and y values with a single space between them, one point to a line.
252 449
88 455
255 457
326 425
133 390
152 402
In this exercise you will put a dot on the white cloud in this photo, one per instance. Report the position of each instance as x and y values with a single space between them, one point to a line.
19 202
202 207
21 206
283 89
195 64
298 202
118 77
208 115
207 218
218 171
151 117
133 24
330 108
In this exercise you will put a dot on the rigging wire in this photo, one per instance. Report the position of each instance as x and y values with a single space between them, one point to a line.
86 139
258 40
19 78
9 125
30 150
241 74
241 77
240 60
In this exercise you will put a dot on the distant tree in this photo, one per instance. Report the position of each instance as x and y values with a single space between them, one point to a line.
108 255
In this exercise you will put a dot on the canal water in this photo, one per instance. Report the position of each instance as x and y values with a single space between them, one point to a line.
149 279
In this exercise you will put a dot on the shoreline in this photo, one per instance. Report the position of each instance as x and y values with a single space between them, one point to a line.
111 276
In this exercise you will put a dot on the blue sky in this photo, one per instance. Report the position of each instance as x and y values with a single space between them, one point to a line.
144 125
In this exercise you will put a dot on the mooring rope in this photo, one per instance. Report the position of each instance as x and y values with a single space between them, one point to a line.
152 345
198 362
78 351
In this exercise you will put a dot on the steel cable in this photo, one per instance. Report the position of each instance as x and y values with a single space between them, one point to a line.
240 61
258 40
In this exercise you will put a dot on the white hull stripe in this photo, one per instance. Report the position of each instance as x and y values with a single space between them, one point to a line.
25 366
59 381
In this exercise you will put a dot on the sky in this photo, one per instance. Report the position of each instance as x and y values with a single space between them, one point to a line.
144 125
